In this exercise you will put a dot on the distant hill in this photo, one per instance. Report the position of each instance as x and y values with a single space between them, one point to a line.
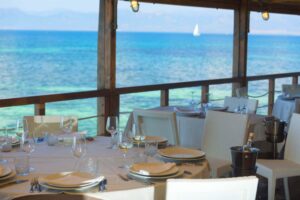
154 20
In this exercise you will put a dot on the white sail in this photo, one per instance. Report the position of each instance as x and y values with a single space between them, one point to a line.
196 32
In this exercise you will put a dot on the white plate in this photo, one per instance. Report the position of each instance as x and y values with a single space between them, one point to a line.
4 170
70 188
217 108
154 169
181 153
156 178
70 179
159 139
9 176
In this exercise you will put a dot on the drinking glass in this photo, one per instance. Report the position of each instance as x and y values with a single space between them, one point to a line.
112 126
89 165
124 145
78 147
22 166
151 148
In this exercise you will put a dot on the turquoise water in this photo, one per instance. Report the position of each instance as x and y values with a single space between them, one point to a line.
48 62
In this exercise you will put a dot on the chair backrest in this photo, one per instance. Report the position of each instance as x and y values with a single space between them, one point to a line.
292 150
233 102
52 123
241 92
297 106
242 188
223 130
157 123
291 89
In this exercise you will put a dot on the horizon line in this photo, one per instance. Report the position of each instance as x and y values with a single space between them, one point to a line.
122 31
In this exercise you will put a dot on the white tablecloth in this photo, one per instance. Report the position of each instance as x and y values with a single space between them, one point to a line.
283 109
51 159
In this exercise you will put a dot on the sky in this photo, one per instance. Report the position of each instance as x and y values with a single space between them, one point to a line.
83 15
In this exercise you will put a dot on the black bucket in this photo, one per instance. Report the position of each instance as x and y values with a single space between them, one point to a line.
243 162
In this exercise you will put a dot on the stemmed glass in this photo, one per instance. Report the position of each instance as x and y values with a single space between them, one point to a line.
27 143
125 144
66 124
112 126
78 147
39 132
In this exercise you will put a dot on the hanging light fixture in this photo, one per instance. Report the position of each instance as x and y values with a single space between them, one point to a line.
134 4
265 15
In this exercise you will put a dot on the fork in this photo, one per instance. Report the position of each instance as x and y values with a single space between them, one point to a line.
37 185
32 185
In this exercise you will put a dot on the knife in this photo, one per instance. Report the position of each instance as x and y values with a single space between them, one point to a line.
12 182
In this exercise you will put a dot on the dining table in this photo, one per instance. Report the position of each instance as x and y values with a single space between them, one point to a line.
284 108
58 158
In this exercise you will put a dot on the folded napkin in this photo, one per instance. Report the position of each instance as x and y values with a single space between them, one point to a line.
70 179
152 168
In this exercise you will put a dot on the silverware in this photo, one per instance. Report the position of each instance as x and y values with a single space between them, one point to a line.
187 172
13 182
102 185
123 177
32 185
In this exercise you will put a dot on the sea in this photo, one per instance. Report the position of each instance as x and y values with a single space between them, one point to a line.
51 62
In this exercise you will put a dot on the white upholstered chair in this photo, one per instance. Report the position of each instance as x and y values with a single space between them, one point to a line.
157 123
222 130
52 123
290 166
242 188
233 102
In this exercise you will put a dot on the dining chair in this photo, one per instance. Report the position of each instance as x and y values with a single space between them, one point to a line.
242 188
234 102
157 123
222 130
290 166
51 124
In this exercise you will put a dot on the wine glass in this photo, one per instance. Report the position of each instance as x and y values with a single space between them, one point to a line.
112 126
28 145
40 130
78 147
2 142
124 145
66 124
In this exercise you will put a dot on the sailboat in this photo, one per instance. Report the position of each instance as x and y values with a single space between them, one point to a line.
196 32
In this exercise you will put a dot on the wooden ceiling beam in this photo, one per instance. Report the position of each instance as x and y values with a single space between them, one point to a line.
276 8
227 4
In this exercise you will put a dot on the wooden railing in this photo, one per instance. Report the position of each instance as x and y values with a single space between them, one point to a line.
42 100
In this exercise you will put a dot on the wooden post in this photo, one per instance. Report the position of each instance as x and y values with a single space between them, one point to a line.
39 109
271 95
164 97
240 45
205 94
295 80
107 61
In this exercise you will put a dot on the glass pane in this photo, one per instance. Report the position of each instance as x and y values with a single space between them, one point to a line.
274 44
13 113
259 91
143 100
184 96
80 108
156 45
48 46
